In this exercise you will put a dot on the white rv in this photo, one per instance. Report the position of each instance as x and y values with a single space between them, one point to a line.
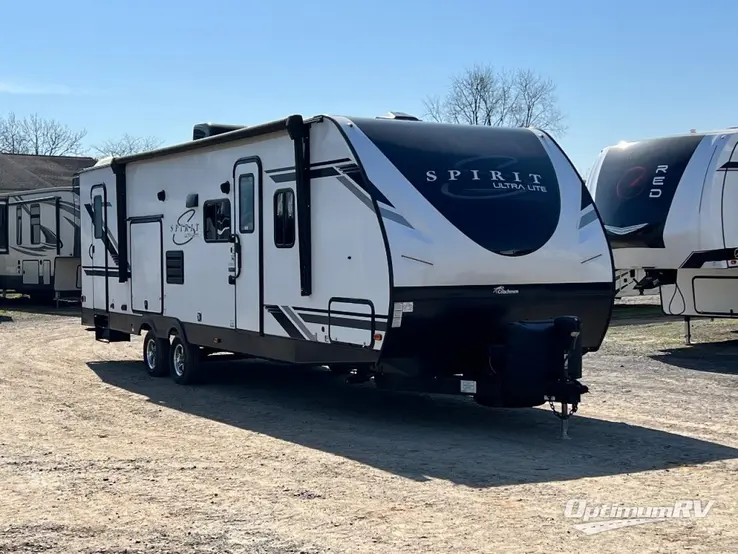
668 207
40 241
446 258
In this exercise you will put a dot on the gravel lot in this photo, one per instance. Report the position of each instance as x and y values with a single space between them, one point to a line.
95 456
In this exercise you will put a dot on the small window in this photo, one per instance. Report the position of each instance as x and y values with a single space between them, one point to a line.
97 217
284 218
35 224
4 228
246 203
217 220
18 225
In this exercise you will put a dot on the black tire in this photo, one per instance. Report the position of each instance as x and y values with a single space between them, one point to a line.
184 362
156 355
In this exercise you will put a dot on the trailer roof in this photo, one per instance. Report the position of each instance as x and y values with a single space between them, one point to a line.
230 136
27 192
710 132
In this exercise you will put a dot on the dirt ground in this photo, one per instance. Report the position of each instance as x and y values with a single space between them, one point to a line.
95 456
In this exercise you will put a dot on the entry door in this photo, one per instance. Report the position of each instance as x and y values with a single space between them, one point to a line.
247 208
97 251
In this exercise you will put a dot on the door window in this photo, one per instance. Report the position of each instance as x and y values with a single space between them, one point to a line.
97 216
246 203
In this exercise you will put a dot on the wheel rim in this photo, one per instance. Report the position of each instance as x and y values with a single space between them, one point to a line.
151 354
179 360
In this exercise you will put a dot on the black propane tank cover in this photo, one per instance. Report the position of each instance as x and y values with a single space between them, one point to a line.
532 358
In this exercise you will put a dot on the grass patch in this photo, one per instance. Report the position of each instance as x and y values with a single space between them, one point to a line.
669 333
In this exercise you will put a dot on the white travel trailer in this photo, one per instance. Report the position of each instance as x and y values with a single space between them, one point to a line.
40 241
423 256
667 204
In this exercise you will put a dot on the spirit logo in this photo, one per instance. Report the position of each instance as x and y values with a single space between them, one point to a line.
184 231
480 184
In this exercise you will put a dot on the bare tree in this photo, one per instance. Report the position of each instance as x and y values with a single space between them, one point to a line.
482 95
39 136
127 145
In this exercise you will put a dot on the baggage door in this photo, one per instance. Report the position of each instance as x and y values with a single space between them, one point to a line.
247 243
98 248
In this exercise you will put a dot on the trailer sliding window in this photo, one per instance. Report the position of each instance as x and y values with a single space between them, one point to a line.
217 220
284 218
35 224
18 225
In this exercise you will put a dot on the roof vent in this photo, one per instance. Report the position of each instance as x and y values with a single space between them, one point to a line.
204 130
399 115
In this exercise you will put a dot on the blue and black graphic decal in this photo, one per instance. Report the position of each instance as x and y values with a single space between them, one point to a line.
636 186
498 186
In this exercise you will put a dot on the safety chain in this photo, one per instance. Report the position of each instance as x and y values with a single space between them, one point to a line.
574 408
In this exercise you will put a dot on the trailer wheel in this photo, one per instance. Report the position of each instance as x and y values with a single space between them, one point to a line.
156 355
184 362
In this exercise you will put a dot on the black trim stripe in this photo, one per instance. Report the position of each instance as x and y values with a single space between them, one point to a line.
316 173
343 167
354 173
281 318
697 259
337 312
101 272
729 166
587 218
349 322
314 164
109 246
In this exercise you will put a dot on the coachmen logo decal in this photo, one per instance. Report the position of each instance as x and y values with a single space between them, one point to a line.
503 290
